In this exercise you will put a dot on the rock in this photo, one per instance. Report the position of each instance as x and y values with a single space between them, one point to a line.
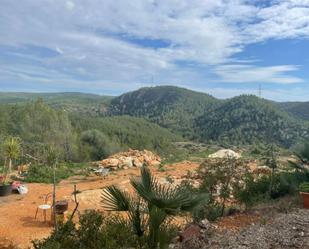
225 153
126 162
190 233
154 163
129 159
110 162
137 163
204 224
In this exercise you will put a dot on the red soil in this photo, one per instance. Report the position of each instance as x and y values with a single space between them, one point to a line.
17 223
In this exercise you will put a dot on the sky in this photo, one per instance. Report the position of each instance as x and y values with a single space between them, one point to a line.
222 47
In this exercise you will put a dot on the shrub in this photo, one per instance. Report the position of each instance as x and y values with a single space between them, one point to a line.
256 190
219 178
304 187
94 231
253 190
152 207
44 174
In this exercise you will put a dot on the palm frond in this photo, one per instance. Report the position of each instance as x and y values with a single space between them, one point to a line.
172 200
114 199
137 218
156 218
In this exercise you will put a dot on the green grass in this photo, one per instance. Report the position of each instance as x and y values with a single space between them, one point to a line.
44 174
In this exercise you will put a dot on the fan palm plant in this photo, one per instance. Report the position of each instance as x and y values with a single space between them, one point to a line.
302 156
12 147
152 208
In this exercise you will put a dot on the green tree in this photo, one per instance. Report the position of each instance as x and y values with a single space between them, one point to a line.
12 149
270 160
151 210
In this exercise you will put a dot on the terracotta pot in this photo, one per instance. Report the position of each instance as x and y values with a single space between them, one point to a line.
306 199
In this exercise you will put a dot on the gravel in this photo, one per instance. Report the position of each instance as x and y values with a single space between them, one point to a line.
284 231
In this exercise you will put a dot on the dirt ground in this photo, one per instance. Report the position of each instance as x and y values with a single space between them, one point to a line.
17 222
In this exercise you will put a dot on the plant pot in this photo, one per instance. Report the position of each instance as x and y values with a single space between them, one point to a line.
305 199
61 206
5 190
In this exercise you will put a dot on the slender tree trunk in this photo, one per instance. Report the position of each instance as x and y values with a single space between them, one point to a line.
54 196
10 165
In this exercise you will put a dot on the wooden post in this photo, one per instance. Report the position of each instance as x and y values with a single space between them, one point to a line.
54 196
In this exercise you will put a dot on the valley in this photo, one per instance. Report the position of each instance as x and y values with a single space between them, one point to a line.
191 143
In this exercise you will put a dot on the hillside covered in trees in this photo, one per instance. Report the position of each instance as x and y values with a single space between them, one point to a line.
78 137
83 103
296 109
249 119
197 116
171 107
88 126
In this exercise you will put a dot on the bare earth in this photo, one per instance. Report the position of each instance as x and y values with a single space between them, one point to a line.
17 223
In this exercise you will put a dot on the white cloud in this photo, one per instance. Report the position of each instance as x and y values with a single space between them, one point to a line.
91 38
70 5
255 74
280 95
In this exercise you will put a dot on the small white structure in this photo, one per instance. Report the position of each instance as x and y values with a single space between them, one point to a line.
225 153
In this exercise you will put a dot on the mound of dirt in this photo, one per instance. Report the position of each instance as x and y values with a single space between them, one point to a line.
130 159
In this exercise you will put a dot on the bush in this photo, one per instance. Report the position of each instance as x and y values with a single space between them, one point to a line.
94 231
44 174
256 190
219 178
253 190
304 187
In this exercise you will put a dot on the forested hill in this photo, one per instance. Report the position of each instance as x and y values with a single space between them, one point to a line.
78 137
246 119
193 115
171 107
73 102
297 109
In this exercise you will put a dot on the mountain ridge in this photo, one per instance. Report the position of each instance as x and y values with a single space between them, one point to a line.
191 114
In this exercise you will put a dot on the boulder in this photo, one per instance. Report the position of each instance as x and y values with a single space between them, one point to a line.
137 163
225 153
126 162
110 163
130 158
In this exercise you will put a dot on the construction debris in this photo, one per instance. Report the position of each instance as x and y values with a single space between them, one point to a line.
130 159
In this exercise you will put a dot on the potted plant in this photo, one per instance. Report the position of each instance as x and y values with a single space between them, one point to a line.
11 148
304 192
5 185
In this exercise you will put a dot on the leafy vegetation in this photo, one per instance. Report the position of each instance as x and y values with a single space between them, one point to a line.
120 133
296 109
248 120
149 212
197 116
304 187
171 107
240 120
220 177
44 174
147 225
82 103
77 137
94 231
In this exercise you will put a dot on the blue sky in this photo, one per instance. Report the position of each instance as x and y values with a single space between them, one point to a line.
221 47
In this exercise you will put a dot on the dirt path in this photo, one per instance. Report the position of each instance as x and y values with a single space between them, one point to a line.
17 222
